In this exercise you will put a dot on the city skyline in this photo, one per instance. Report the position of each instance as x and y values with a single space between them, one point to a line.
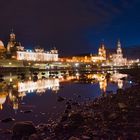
72 26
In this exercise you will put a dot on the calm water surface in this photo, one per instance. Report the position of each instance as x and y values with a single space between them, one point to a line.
38 93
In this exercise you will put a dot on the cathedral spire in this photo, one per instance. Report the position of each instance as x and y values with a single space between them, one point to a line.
12 30
118 44
119 49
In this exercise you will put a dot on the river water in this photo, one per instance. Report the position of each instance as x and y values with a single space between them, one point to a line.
34 97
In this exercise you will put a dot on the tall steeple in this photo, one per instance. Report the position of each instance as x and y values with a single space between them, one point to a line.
12 36
119 49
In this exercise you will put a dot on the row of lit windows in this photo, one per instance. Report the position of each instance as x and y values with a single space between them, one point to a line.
36 56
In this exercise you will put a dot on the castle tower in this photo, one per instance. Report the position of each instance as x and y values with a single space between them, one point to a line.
12 41
12 37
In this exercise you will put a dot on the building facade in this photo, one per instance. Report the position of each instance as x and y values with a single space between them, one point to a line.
117 58
30 55
16 51
101 54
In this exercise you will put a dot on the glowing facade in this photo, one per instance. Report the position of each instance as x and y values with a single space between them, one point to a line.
3 96
16 51
101 54
117 59
102 51
37 55
40 85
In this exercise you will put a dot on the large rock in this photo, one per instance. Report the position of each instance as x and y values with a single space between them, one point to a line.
22 130
76 119
122 105
60 99
34 137
73 138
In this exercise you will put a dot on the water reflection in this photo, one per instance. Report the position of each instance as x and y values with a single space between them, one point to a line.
13 89
104 79
40 86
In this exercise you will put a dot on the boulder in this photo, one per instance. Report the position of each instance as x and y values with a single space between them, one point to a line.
122 105
7 120
76 118
34 137
74 138
22 130
60 99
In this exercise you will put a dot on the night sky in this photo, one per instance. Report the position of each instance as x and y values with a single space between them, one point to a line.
73 26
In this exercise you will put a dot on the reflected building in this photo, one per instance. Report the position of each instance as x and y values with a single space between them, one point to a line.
103 85
14 98
2 50
103 81
116 77
16 91
3 96
120 84
40 85
101 78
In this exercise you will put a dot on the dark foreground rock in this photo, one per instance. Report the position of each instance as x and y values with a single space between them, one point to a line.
22 130
7 120
114 116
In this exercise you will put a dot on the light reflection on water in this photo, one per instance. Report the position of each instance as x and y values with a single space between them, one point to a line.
39 92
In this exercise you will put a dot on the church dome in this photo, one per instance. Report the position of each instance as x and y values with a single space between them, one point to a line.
2 45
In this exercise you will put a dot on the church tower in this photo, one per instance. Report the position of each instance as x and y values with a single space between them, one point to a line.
12 41
12 36
11 46
102 51
119 49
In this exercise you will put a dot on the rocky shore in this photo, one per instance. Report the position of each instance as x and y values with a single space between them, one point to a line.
115 116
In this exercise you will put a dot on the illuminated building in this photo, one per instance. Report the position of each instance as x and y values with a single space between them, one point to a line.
13 46
102 51
88 58
101 54
84 59
38 55
117 59
16 51
78 58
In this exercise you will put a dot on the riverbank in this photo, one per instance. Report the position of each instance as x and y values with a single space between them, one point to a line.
115 116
